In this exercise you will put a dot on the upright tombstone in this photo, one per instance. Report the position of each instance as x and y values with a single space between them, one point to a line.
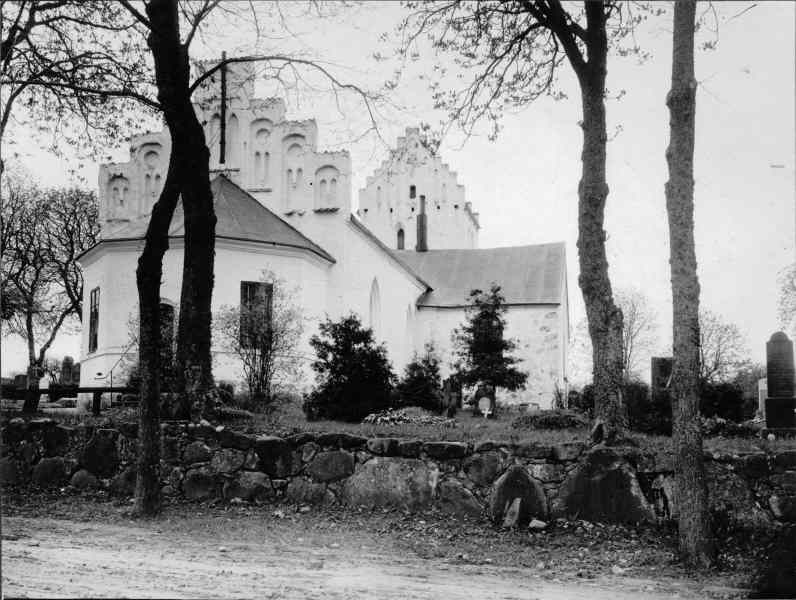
661 372
780 380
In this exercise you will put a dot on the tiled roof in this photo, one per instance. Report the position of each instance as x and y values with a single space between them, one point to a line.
526 274
240 217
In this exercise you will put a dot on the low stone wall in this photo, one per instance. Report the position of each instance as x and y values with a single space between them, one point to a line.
509 483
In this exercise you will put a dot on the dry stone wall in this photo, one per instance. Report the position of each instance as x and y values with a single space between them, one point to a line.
507 483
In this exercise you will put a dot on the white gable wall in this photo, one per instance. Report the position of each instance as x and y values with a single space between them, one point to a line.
537 328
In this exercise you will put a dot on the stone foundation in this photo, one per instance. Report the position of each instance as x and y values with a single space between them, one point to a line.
507 483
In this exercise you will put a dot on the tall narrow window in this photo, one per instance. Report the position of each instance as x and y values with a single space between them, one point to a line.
256 304
400 239
93 319
412 191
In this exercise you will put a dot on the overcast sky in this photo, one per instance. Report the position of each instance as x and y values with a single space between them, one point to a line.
525 184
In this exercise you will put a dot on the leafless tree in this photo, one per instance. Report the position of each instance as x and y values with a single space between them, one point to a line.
264 337
696 541
509 54
722 348
43 231
786 303
77 65
639 334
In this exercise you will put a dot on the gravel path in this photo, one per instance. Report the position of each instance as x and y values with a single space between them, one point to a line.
264 558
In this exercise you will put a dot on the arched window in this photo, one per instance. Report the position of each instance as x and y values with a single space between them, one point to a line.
333 187
400 239
412 191
322 189
375 308
232 142
258 168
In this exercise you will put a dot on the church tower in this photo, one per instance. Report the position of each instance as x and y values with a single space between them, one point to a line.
414 193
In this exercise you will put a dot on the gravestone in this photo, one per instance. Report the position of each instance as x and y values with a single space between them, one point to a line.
661 372
780 381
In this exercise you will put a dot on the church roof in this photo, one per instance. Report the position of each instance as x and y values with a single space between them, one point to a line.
526 274
240 217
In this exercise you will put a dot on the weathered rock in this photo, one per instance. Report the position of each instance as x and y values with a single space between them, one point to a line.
249 485
197 452
331 466
169 449
755 466
304 491
84 480
487 446
174 477
232 439
308 451
28 452
299 439
547 472
100 455
729 494
410 448
528 449
482 468
124 483
536 525
128 430
603 488
786 459
383 446
785 480
227 460
783 507
517 484
56 440
387 481
568 451
445 450
454 498
199 484
252 461
15 431
50 472
168 490
9 471
276 456
341 440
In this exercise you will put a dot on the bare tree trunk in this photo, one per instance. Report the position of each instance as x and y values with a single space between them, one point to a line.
193 366
696 543
604 317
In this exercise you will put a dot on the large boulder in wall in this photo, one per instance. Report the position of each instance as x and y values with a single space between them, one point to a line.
603 488
387 481
517 498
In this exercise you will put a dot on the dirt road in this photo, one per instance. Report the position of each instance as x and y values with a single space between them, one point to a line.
265 558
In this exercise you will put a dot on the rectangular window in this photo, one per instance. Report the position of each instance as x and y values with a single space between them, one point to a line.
412 191
256 304
93 319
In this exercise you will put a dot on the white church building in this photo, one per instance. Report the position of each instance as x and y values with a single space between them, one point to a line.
404 261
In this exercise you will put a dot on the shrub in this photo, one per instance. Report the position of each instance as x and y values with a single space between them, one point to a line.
582 402
723 400
648 412
354 377
421 384
550 419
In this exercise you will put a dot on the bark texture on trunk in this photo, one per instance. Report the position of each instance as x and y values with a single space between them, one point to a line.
604 317
696 543
193 364
171 75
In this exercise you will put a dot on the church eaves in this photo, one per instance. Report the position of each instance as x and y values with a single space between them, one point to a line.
240 217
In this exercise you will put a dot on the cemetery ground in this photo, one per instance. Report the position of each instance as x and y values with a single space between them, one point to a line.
71 544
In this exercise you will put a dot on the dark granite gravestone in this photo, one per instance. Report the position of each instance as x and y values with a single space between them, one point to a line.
780 376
